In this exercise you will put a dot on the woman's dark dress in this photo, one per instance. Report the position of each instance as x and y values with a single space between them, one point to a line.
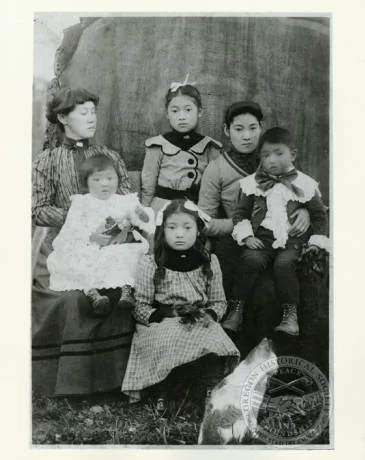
72 352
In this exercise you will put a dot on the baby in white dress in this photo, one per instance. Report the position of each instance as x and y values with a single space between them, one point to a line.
101 241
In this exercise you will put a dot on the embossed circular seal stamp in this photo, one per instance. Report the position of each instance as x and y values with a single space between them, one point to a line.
296 405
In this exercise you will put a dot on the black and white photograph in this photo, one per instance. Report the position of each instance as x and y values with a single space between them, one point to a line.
181 230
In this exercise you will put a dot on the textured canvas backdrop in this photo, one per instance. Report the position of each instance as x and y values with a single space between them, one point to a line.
282 63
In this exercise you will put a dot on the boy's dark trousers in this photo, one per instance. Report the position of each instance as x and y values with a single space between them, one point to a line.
284 260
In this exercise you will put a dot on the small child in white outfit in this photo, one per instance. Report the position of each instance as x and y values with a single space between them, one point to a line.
101 242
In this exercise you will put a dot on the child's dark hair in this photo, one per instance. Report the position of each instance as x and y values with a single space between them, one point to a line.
94 164
65 100
240 108
276 135
160 245
184 90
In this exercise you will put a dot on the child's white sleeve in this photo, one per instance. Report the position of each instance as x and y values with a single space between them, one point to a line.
140 216
241 231
75 227
148 226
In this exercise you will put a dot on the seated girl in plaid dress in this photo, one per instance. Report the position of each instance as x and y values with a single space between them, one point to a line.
179 303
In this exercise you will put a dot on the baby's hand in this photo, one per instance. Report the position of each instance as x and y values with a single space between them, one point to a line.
100 239
141 214
253 243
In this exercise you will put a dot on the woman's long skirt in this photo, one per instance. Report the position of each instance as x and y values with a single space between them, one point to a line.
72 351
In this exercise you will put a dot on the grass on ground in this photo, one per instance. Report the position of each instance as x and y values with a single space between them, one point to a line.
109 419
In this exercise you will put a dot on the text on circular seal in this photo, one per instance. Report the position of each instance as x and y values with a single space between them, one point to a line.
295 408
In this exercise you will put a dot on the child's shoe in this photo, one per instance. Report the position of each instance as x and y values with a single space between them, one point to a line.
100 303
289 321
127 299
234 318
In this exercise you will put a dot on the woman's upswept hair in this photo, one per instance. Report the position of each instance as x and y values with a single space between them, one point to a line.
65 100
160 245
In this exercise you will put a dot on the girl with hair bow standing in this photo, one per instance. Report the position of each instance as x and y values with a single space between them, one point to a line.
174 162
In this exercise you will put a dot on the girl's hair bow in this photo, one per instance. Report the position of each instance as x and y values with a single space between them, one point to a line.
193 207
176 85
190 205
159 216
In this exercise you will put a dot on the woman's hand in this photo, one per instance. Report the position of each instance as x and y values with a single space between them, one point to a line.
301 223
100 239
254 243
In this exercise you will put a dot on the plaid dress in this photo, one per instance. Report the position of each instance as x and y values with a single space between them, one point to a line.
157 348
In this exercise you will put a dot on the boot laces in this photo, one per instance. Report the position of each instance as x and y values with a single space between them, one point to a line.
235 305
127 290
289 314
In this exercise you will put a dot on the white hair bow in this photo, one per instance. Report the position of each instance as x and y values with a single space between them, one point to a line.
159 216
193 207
190 205
175 85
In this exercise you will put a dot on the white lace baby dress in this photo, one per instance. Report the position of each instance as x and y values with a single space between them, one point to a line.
76 263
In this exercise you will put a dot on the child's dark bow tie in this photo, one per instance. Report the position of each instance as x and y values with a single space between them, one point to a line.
267 181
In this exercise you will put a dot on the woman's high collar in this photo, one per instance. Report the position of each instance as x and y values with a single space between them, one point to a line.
75 144
248 162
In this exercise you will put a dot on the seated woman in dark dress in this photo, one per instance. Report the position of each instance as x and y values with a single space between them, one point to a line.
73 351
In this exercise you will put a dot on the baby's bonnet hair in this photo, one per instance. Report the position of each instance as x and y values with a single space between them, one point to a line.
93 164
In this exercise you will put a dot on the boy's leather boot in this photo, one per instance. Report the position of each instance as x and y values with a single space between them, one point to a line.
289 321
234 318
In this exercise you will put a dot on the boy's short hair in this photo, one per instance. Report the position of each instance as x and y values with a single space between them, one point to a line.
276 135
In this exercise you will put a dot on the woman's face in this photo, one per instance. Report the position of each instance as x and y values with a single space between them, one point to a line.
244 133
181 231
183 114
81 122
